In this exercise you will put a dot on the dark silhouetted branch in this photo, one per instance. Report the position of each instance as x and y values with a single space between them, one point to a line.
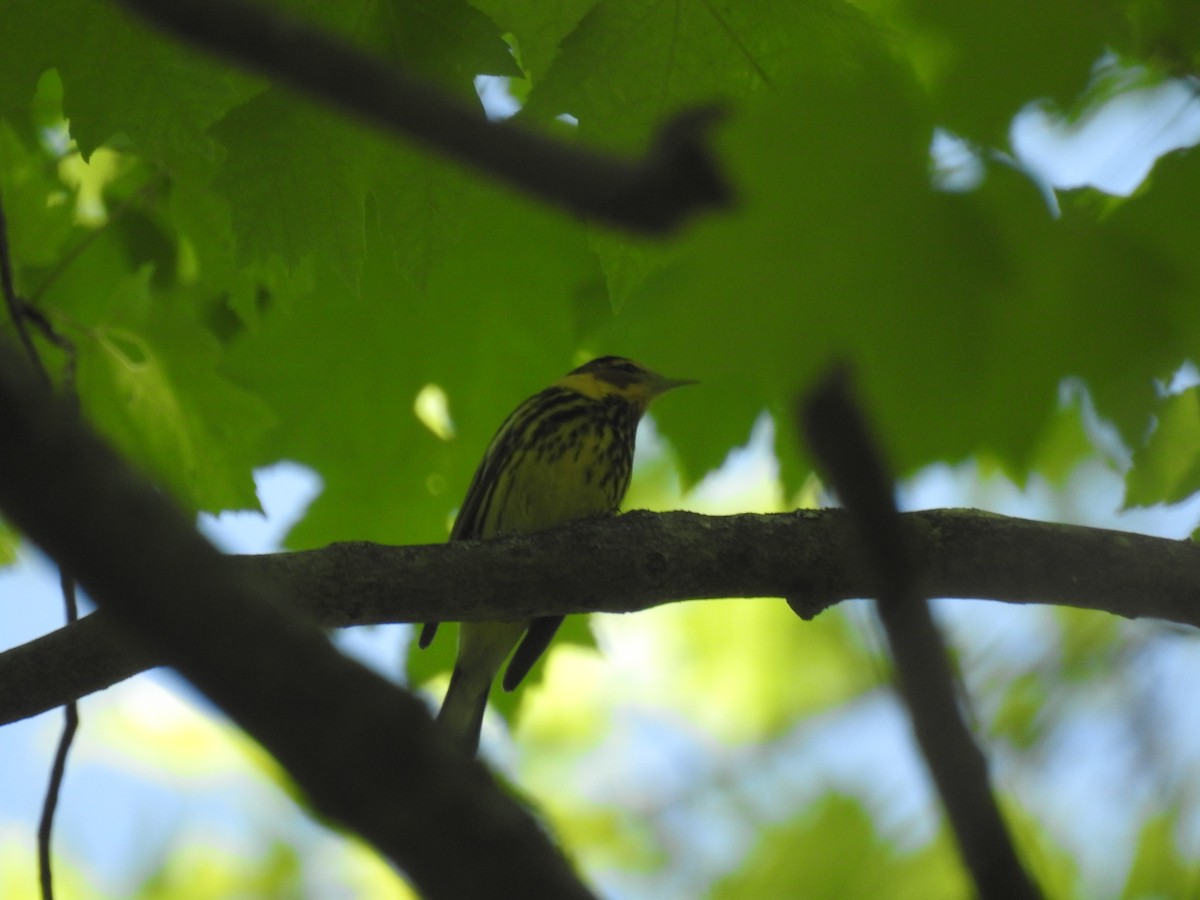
846 453
677 178
642 559
364 752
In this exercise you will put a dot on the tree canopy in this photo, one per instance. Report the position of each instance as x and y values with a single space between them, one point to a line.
236 254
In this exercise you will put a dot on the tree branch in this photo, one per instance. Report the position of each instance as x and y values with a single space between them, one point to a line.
641 560
365 753
837 431
677 178
20 310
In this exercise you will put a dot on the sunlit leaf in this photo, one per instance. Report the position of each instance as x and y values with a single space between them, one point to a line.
38 207
1167 468
10 540
148 378
1158 866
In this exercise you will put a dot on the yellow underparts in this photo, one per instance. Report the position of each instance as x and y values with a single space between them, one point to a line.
540 490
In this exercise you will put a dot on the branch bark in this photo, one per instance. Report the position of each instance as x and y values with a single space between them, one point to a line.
641 560
364 752
677 178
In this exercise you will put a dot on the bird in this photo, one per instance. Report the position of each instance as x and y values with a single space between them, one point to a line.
566 453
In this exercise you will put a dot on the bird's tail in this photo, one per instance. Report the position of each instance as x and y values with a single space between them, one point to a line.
462 710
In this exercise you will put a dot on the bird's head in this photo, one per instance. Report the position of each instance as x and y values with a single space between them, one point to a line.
616 376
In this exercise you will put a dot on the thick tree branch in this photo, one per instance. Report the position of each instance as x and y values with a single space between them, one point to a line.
642 559
837 431
366 753
677 178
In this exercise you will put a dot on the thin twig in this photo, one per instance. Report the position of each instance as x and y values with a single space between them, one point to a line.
841 441
17 307
70 710
22 311
59 768
72 254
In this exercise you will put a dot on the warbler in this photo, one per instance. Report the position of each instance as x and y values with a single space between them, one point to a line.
565 453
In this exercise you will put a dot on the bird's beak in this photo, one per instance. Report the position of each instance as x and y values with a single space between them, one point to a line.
660 385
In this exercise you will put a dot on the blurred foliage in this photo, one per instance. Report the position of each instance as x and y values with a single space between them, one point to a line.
833 850
1159 870
248 276
9 541
201 870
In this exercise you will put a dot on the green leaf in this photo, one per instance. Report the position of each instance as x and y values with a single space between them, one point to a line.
613 75
449 41
148 379
627 263
983 62
119 78
446 41
295 178
38 207
1166 469
538 28
1167 31
10 540
961 313
816 263
1158 867
461 287
1061 446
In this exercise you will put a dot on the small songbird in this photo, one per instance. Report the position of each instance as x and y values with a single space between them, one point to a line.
565 453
